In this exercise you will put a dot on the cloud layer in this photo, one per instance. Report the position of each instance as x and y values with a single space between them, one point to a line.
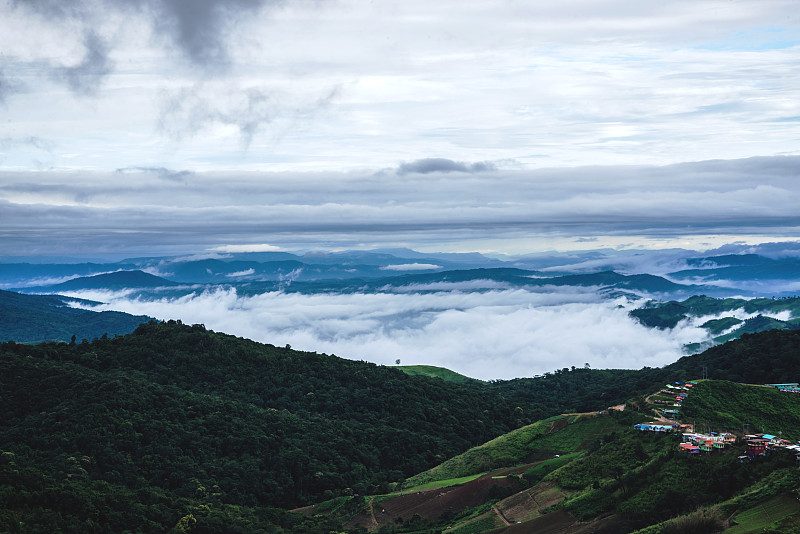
341 85
491 334
157 211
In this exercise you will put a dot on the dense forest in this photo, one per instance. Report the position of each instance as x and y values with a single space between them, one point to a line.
36 318
173 422
184 413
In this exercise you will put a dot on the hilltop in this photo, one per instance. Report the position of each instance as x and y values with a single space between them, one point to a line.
118 280
436 372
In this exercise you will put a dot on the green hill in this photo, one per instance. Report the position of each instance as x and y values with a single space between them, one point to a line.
735 407
760 358
176 427
436 372
182 417
560 434
35 318
596 473
668 314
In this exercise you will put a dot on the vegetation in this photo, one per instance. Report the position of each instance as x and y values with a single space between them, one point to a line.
762 358
181 416
767 515
36 318
176 428
436 372
739 407
668 314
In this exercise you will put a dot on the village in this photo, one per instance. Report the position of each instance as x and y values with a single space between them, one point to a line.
694 443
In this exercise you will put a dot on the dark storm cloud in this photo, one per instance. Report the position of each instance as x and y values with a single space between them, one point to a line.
429 165
86 77
199 27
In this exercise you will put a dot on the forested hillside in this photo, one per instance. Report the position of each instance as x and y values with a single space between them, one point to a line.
764 357
36 318
174 423
175 412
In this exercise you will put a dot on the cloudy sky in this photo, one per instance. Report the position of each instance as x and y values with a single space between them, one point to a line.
173 126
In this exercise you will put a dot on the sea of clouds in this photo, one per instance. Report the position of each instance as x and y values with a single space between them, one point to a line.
499 333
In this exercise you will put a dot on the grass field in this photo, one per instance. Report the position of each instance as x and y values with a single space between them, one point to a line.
436 372
441 483
505 451
761 516
561 434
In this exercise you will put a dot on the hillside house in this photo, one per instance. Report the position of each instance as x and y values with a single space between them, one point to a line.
757 447
789 387
689 448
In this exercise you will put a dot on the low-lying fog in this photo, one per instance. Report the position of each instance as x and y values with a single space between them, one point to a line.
499 333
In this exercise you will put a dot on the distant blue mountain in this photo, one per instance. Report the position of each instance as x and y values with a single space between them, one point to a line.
714 275
115 281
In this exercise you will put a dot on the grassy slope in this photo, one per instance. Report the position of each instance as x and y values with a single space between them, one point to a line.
437 372
632 479
730 406
761 516
555 435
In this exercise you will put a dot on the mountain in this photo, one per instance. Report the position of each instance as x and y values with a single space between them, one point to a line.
394 266
724 319
35 318
116 281
39 274
596 472
176 427
435 372
180 417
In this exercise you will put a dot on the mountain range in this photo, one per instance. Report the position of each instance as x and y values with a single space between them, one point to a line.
667 274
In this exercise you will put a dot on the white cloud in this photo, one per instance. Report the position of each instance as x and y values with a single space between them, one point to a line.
411 267
239 274
580 82
228 212
259 247
490 334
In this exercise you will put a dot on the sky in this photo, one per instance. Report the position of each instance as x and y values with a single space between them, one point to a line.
172 126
